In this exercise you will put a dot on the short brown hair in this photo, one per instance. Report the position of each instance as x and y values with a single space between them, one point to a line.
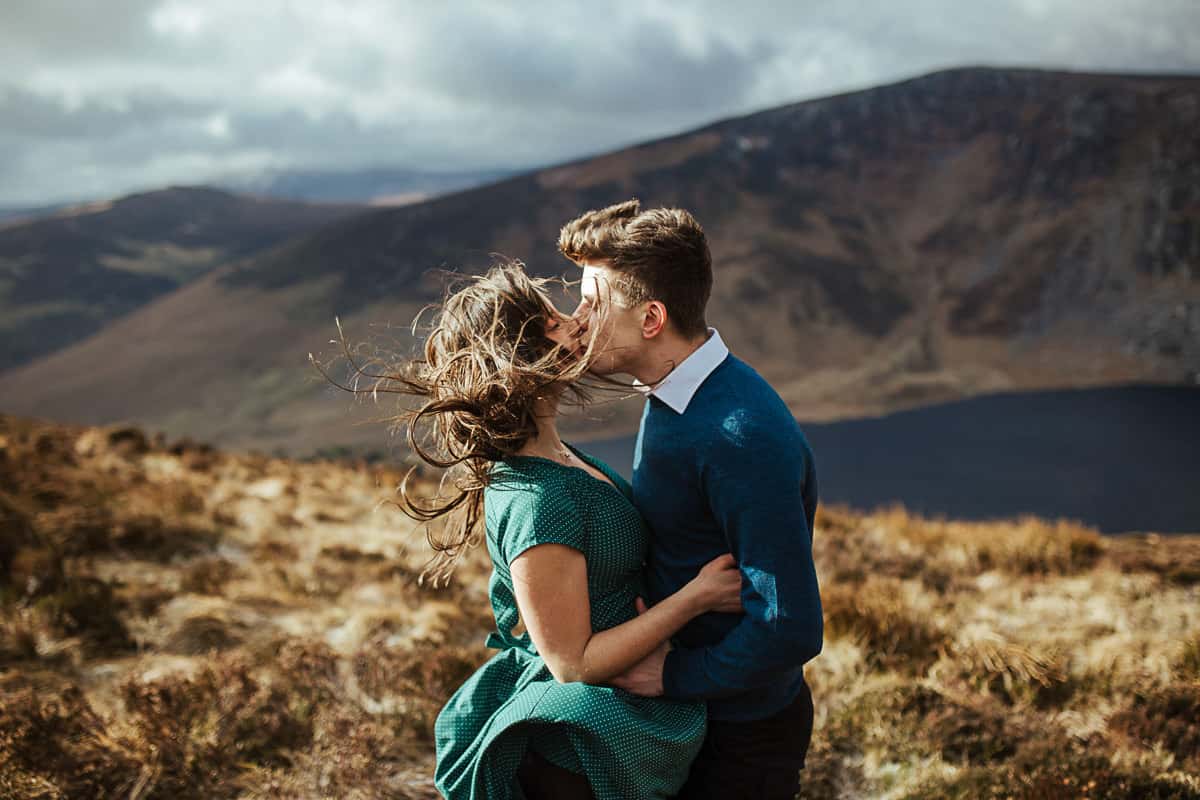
661 253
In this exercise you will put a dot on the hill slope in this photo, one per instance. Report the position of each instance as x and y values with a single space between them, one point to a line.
966 231
377 186
64 276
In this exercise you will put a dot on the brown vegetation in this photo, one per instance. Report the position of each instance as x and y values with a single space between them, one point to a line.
178 622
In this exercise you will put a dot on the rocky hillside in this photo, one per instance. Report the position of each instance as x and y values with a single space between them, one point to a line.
968 231
67 274
181 622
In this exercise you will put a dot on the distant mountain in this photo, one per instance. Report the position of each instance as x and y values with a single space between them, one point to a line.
67 273
968 231
380 186
17 214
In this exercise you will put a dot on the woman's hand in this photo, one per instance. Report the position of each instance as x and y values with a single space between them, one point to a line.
718 586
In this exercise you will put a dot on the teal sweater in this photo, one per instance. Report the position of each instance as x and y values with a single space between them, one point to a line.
733 473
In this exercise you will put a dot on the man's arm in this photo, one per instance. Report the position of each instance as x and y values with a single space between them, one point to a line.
756 482
550 587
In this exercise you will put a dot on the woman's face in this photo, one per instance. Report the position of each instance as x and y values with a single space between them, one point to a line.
560 331
565 331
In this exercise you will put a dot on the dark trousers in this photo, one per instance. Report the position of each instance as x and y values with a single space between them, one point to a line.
760 759
542 780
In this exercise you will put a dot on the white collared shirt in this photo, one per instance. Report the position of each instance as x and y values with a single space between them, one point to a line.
681 383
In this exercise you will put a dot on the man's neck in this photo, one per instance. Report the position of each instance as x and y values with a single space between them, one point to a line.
672 352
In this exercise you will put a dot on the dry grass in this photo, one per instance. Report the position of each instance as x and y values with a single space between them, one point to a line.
1023 658
177 622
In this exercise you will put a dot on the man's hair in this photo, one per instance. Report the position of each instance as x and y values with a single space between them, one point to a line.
661 254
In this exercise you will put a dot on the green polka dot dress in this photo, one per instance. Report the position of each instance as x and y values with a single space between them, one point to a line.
627 746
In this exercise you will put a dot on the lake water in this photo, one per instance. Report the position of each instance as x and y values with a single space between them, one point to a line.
1121 459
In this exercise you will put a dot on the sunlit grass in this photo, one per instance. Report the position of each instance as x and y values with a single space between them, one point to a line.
182 623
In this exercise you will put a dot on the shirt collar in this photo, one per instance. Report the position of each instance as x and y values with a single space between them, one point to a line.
681 383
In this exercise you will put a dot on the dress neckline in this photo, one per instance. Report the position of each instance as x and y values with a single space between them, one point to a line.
608 481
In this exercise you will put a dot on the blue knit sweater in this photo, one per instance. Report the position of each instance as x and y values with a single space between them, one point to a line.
733 473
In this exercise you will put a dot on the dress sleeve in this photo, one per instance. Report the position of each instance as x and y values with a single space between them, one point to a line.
545 513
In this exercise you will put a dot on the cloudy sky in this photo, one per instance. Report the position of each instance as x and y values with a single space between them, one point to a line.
100 98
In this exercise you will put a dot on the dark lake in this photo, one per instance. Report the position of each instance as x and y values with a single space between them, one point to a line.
1121 459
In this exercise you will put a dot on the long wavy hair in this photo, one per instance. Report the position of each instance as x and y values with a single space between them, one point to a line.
487 362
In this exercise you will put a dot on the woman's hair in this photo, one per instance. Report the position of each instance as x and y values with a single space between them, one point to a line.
487 361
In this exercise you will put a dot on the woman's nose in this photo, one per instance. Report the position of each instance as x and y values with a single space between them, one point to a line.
582 315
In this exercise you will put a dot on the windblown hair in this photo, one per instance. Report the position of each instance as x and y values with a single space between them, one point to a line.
660 253
487 361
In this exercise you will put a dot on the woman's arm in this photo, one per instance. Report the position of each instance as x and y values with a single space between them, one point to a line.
550 584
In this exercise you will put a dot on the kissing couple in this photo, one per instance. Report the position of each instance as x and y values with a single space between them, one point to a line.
667 621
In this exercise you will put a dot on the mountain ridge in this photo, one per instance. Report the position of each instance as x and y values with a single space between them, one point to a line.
66 274
960 232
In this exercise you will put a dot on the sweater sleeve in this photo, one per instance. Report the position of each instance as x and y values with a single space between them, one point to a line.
759 483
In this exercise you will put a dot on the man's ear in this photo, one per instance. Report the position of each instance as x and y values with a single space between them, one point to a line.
655 319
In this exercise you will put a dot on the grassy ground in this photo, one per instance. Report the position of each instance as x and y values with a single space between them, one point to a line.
177 622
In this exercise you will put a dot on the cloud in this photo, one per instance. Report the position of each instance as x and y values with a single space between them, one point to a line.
646 68
36 116
74 32
104 98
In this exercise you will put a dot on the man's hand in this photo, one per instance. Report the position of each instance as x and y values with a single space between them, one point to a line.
645 677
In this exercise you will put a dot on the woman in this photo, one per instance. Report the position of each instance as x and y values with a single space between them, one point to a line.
567 547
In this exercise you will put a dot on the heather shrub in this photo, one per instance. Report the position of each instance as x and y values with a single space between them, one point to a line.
1168 717
1175 560
1056 768
53 745
909 721
202 729
87 608
880 615
206 575
1010 672
1188 663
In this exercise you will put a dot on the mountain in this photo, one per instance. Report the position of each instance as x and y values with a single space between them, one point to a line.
378 186
968 231
10 215
66 275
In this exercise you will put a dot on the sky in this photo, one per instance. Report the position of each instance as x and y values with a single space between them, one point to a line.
99 99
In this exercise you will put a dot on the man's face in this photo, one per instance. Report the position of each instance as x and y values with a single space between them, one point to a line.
609 317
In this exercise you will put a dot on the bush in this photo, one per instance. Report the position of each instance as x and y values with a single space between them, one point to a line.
1188 664
1057 768
151 537
18 638
202 730
903 722
197 636
54 746
1007 671
1175 559
86 607
207 575
413 683
1168 716
893 634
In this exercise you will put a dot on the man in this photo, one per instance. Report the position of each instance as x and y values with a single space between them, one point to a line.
720 466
